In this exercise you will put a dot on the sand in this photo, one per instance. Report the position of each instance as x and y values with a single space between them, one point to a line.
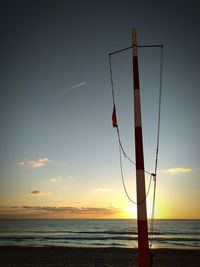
92 257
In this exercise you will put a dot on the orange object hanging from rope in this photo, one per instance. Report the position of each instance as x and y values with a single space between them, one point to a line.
114 117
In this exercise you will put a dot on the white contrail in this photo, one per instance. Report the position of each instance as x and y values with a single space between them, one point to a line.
75 86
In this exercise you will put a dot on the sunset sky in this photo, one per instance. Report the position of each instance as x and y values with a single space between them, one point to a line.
59 155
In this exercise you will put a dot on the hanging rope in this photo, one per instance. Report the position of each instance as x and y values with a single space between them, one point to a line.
124 153
121 149
157 147
114 107
122 175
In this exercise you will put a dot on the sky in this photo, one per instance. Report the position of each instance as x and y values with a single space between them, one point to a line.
59 155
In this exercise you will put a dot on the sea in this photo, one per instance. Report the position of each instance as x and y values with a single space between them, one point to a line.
184 234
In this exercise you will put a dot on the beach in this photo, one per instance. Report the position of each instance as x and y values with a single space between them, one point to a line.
19 256
95 243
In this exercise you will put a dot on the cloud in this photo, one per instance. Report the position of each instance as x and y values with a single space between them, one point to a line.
102 189
39 193
40 162
22 163
57 179
75 210
174 171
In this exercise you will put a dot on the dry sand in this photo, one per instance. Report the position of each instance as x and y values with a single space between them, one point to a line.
92 257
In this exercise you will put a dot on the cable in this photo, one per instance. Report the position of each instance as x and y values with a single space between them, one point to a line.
159 107
114 105
157 146
152 214
123 181
111 79
125 155
121 149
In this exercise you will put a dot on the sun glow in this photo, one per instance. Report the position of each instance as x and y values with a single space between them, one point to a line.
132 211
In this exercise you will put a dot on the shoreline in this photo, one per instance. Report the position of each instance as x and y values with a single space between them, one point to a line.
20 256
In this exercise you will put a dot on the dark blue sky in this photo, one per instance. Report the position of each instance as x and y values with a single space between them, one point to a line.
47 47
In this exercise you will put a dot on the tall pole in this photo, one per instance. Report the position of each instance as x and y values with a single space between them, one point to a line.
143 247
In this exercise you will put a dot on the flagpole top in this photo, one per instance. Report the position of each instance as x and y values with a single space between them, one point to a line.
134 36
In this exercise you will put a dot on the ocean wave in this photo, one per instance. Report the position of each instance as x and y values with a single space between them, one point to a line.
195 240
101 233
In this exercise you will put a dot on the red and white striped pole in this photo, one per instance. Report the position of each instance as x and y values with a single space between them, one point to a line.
143 246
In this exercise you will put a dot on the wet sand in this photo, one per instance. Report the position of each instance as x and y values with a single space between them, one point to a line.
92 257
